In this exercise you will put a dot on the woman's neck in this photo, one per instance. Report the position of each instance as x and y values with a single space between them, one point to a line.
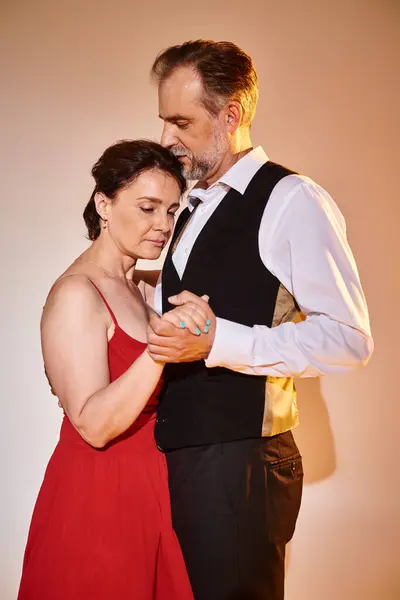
110 259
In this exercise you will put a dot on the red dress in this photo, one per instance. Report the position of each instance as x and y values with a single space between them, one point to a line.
101 528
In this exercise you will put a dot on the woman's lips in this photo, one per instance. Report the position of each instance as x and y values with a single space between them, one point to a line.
157 243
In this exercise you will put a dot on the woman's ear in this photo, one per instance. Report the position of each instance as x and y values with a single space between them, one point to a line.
101 203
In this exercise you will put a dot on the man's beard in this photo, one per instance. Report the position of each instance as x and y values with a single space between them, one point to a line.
202 164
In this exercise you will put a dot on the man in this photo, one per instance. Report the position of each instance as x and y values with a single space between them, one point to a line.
269 248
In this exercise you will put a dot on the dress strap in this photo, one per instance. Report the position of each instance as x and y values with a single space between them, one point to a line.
105 302
95 287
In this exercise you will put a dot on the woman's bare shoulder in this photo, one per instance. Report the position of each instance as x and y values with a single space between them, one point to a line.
71 292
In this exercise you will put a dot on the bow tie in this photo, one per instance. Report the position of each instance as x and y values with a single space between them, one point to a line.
194 202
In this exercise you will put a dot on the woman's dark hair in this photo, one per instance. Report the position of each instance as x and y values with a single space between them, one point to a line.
120 165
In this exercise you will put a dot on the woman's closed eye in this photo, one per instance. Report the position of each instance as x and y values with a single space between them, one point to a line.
151 209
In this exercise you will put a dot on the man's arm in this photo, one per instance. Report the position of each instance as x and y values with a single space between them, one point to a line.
147 283
310 255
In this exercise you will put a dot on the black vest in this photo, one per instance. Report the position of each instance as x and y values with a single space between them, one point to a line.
199 405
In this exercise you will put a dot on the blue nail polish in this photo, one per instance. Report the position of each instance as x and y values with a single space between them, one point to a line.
182 324
198 331
208 322
205 329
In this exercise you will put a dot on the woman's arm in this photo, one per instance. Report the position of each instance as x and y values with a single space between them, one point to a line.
75 350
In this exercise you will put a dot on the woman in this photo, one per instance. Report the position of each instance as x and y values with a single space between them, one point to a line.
101 528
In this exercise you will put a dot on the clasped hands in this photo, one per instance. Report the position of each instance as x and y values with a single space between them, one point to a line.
183 334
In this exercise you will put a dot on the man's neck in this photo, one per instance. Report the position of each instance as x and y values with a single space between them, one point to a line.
240 146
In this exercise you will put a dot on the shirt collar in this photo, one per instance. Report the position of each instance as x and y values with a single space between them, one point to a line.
238 177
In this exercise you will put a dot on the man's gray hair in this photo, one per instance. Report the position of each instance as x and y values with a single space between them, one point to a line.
226 71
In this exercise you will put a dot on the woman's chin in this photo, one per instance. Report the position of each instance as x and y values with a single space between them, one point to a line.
151 254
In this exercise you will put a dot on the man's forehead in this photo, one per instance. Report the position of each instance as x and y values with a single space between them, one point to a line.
183 84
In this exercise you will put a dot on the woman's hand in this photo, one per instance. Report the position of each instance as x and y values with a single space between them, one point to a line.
169 342
191 312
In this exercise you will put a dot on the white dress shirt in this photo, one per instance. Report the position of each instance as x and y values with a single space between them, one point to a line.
302 241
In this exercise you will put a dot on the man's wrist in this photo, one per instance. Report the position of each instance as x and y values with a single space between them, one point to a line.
232 345
210 341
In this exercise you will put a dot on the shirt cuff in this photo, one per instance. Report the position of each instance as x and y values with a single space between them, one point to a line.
233 345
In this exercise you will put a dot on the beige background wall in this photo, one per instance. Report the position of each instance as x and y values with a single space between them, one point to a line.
74 79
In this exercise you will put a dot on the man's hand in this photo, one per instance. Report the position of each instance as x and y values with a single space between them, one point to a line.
184 334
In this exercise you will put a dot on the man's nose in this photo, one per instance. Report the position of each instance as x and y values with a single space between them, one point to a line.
168 139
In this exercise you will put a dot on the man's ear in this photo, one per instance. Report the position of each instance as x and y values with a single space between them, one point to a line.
233 115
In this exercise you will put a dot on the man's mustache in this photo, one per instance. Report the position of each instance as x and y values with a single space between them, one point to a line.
181 151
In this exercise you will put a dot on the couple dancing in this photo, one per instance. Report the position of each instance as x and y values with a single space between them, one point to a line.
194 373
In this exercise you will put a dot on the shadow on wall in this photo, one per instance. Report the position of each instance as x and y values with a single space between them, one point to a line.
314 435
